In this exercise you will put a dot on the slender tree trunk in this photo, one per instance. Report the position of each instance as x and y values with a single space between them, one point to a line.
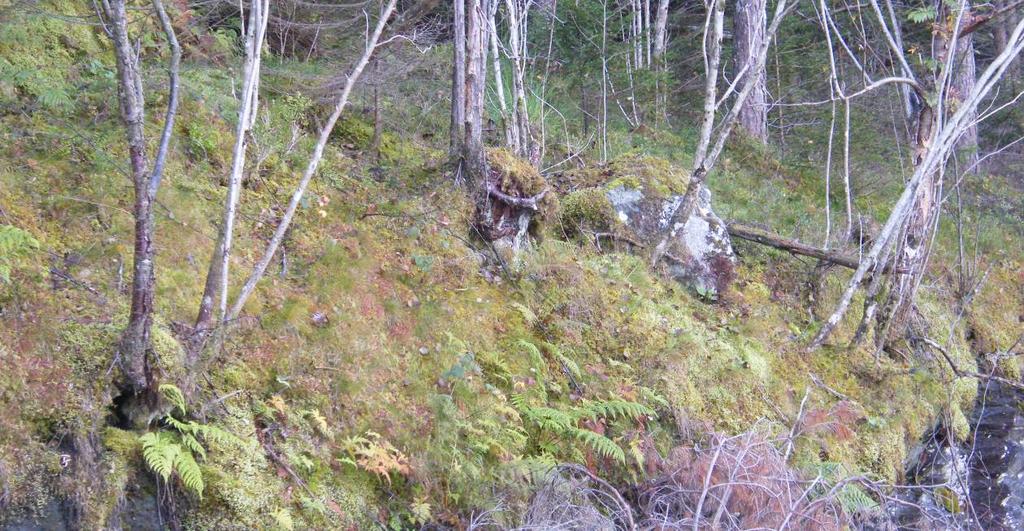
659 63
647 32
475 158
458 131
517 47
378 123
217 276
509 125
707 153
135 342
661 29
965 75
372 42
749 28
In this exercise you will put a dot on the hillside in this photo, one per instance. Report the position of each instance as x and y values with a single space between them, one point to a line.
394 371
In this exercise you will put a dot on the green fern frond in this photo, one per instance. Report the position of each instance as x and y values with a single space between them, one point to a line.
189 472
15 245
518 401
612 409
283 519
651 396
192 444
182 426
318 421
536 357
550 419
604 446
160 450
526 312
496 366
214 434
636 452
570 366
313 505
174 395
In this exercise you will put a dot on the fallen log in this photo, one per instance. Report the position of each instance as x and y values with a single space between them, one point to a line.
756 235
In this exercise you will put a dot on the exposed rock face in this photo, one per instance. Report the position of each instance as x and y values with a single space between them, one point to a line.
643 194
700 252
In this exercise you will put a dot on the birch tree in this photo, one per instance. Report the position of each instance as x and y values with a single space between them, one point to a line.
749 30
906 237
458 109
372 42
711 142
217 278
133 351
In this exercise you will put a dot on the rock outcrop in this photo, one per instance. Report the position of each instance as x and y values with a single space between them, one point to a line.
632 200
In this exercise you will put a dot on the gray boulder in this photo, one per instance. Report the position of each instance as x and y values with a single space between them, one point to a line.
636 204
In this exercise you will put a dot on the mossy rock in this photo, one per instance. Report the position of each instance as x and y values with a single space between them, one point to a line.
587 207
656 177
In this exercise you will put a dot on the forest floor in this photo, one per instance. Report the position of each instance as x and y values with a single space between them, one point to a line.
380 375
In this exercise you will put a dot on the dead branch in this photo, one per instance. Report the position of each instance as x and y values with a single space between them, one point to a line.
753 234
518 202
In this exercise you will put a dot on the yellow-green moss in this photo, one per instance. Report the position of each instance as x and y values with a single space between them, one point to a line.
655 176
587 208
518 177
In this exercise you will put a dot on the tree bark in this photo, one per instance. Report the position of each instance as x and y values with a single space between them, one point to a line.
475 157
135 342
218 274
965 75
457 131
517 45
511 132
661 30
749 28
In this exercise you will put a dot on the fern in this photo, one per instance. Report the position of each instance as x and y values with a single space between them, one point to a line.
159 450
526 312
283 519
851 497
549 419
612 409
536 357
636 452
188 470
190 442
319 422
173 451
172 394
15 246
604 446
571 368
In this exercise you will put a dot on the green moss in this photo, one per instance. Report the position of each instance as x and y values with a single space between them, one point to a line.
587 208
519 178
353 132
655 176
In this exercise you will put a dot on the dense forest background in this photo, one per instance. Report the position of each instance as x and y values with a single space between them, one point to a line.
482 264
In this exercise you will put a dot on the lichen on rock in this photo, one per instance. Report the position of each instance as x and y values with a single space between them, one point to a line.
634 199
